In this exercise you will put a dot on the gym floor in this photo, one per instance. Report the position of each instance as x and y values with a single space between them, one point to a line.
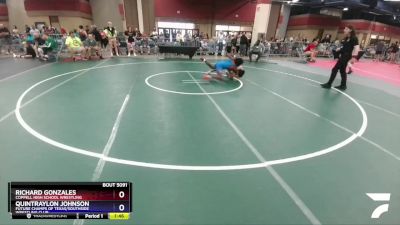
273 148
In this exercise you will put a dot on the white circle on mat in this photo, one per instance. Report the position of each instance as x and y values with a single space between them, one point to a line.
184 167
188 93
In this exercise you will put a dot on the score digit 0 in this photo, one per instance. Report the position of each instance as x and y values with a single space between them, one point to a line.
121 194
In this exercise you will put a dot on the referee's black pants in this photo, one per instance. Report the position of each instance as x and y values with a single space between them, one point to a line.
341 65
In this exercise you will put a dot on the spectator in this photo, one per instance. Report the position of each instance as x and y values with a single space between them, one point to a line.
15 31
130 35
91 47
95 33
178 37
186 37
233 42
27 29
49 46
248 43
33 30
380 47
154 34
326 39
74 45
220 43
145 44
394 48
87 29
137 33
335 45
104 40
112 33
243 44
82 33
30 39
29 51
63 31
228 44
38 41
258 49
5 38
311 51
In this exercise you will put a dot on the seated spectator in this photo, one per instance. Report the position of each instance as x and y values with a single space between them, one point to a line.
5 39
30 39
96 34
91 47
15 31
154 34
145 44
82 33
29 51
63 31
310 52
50 45
87 29
38 40
130 34
27 29
33 30
104 40
258 49
336 45
74 45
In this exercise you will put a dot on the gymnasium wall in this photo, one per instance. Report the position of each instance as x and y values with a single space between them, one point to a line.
206 13
302 33
108 10
273 20
131 13
3 14
148 16
70 23
221 10
22 13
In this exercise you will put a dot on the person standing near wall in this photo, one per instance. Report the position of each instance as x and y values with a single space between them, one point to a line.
248 36
243 44
228 44
349 43
112 33
379 48
393 51
233 41
220 43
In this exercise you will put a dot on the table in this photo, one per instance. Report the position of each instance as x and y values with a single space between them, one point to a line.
185 50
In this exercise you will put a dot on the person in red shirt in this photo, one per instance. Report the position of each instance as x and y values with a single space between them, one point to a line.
311 52
63 31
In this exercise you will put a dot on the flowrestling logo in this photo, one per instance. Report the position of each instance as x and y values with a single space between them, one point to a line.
379 197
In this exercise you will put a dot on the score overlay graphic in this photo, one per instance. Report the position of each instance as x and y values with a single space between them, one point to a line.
70 200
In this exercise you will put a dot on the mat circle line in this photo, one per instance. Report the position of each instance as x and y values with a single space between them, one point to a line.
63 146
147 81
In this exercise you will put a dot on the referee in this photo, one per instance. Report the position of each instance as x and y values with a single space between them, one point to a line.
350 48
